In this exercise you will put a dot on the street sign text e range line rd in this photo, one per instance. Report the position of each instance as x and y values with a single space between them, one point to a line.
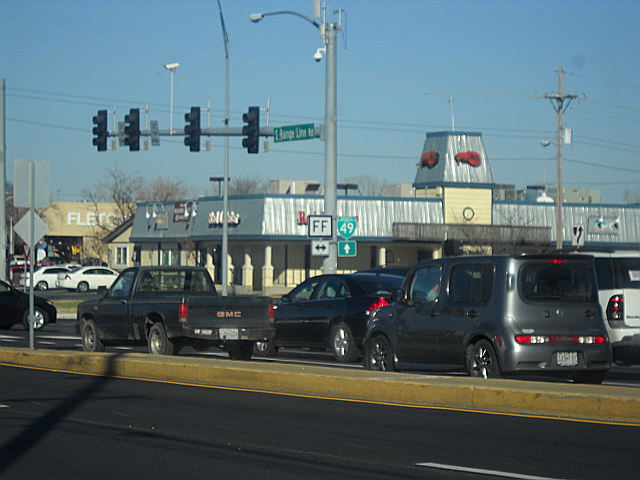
288 133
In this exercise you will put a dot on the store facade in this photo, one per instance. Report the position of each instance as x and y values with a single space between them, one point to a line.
453 211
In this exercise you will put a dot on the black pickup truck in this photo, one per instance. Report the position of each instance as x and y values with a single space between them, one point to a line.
169 308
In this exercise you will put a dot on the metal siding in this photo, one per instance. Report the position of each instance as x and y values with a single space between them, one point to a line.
544 214
447 170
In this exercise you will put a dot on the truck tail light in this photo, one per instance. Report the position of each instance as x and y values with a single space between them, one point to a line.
615 308
272 314
183 313
379 303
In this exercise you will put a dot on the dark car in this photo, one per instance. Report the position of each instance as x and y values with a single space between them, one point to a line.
493 316
14 309
330 312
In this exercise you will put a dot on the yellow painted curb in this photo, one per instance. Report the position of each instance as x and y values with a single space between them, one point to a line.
587 402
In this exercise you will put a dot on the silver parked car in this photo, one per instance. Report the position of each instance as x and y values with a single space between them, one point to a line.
493 316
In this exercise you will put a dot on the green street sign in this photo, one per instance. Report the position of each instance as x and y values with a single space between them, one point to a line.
347 227
288 133
348 248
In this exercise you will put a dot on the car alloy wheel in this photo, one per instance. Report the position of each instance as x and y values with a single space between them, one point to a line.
482 360
83 287
39 319
379 354
343 343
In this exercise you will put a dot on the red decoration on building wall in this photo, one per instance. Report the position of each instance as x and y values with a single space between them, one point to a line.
429 159
471 158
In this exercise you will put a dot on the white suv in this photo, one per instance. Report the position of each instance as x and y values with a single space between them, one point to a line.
619 292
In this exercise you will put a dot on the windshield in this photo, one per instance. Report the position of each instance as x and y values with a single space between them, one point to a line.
558 280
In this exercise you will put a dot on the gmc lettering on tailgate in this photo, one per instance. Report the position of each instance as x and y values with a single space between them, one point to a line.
229 314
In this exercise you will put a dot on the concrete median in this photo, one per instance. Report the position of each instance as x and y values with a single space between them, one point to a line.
562 400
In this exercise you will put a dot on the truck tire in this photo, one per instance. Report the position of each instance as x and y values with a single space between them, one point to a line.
159 343
91 341
264 349
240 349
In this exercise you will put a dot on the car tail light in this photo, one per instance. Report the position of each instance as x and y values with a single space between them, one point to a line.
379 303
272 314
578 339
183 313
67 277
615 308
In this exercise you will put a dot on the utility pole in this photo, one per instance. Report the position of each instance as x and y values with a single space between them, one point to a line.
560 103
3 185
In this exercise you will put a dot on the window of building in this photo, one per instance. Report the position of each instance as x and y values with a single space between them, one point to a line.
122 253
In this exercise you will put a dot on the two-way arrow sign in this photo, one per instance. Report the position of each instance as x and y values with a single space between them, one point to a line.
320 248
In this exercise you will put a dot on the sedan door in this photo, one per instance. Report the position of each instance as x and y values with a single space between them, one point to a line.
292 313
327 306
103 277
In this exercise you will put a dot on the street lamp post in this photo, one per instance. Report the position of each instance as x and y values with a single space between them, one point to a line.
329 32
172 70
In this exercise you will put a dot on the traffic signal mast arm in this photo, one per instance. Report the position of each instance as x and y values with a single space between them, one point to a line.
210 132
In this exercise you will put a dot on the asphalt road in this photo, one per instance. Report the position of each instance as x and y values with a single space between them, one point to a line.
61 426
60 336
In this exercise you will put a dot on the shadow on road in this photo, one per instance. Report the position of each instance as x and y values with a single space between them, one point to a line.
19 445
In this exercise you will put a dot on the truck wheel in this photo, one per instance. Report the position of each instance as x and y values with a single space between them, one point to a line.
342 343
482 360
264 349
240 350
159 343
378 354
39 318
91 341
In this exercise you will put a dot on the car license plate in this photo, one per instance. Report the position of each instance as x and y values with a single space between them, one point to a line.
567 359
229 333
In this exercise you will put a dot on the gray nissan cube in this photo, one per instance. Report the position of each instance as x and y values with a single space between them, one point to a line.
495 316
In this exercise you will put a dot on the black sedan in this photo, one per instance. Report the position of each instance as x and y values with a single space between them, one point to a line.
330 312
14 309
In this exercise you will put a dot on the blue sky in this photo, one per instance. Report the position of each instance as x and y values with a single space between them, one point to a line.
399 63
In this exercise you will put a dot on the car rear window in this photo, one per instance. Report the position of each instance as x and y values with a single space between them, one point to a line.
380 284
558 280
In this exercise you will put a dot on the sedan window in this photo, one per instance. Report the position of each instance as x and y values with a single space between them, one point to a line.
304 291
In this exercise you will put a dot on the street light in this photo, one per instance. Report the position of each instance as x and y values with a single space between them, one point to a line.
172 70
329 32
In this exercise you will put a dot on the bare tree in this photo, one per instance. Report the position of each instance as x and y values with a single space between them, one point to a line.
163 190
247 185
369 185
632 197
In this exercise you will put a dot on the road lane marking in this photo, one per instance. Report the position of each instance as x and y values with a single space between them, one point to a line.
334 398
482 471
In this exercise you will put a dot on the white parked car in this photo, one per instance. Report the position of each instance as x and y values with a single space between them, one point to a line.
44 277
619 289
86 278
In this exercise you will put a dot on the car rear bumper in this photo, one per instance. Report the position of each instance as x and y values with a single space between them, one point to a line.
627 350
556 358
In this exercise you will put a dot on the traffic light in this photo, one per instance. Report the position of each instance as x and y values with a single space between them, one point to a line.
192 129
132 129
251 130
100 130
